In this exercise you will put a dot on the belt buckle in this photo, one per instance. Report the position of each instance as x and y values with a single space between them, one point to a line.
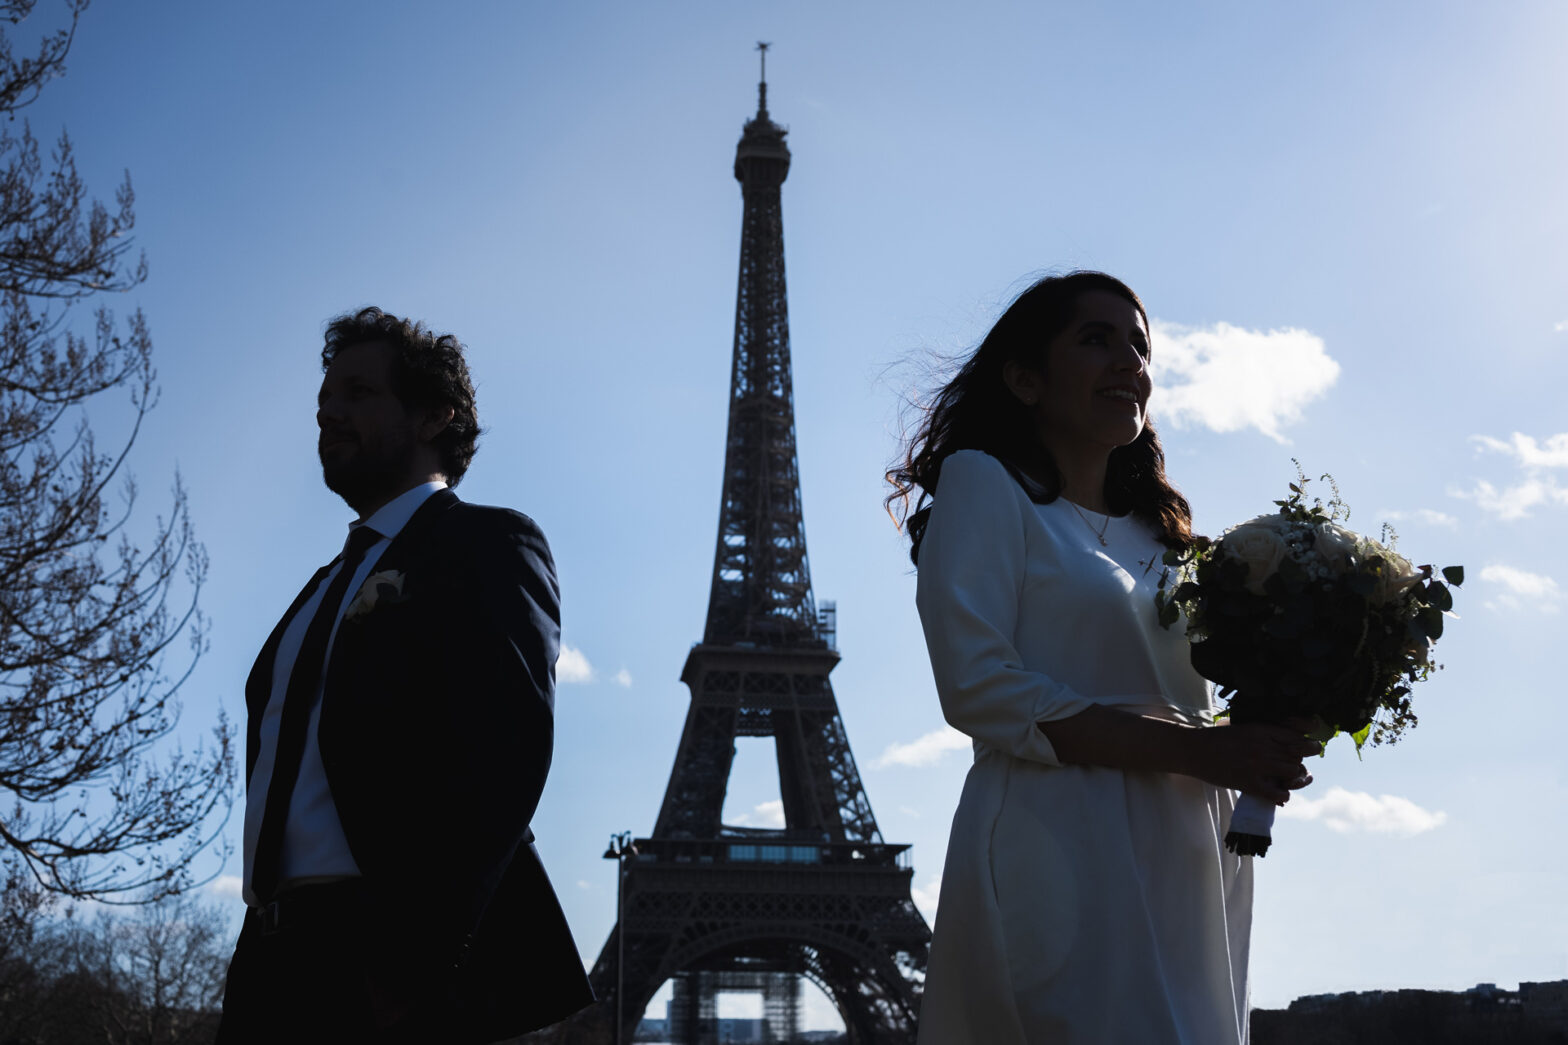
271 918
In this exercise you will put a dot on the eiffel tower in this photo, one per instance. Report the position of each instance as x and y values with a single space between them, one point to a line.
716 908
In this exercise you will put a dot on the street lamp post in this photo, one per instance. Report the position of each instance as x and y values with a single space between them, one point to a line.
620 850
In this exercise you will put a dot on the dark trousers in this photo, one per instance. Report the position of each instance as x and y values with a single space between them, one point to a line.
332 974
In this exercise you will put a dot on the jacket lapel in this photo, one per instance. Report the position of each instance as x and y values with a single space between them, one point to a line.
401 556
258 685
411 537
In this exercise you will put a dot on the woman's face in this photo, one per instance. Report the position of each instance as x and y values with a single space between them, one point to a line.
1091 391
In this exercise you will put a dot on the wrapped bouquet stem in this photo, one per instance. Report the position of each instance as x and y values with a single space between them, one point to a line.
1298 619
1251 826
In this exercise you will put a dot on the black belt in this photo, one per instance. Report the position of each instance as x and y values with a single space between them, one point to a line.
327 904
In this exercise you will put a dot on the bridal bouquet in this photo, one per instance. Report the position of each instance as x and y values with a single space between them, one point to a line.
1297 617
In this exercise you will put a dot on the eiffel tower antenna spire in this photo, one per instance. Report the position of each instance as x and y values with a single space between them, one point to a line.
762 84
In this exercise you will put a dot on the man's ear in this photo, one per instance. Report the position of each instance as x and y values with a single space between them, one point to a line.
435 422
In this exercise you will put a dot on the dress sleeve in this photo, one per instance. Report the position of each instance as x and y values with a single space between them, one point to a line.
971 571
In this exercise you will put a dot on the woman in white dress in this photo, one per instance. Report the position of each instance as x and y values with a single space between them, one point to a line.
1087 894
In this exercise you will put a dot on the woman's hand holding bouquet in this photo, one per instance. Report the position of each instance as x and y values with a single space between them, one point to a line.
1309 628
1255 759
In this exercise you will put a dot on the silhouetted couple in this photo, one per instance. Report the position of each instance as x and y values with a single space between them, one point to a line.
400 718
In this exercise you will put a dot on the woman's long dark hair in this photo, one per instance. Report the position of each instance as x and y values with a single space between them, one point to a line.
977 411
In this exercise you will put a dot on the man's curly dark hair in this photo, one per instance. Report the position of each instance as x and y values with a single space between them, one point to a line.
427 371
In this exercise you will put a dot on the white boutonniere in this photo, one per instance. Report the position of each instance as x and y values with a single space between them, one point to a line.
385 586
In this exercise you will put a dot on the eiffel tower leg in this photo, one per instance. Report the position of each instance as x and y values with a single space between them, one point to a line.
693 1011
781 1008
873 996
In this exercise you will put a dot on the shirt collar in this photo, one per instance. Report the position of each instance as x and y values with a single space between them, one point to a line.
391 517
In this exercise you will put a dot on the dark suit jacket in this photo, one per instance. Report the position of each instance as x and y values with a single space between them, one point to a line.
436 732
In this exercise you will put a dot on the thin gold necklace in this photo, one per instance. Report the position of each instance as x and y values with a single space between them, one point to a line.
1099 534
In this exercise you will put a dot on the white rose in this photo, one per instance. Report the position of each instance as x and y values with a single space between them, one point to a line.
1274 523
1395 576
1258 546
1335 544
1367 547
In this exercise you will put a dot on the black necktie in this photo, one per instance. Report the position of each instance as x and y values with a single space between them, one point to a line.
304 680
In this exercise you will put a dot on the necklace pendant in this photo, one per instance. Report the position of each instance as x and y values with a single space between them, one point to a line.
1099 534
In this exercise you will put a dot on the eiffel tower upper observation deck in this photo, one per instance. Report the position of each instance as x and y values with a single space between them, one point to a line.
715 907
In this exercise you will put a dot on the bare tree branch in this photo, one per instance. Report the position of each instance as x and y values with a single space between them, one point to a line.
97 803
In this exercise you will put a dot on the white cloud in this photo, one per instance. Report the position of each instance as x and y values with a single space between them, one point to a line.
1513 502
572 666
1537 487
1520 582
1425 516
925 898
1561 328
925 751
1227 378
763 814
227 886
1356 811
1522 586
910 811
583 883
1553 453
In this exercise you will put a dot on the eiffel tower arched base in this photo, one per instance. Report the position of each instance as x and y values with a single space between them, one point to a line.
846 923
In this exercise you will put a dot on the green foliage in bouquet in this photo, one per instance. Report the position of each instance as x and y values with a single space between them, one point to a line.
1295 616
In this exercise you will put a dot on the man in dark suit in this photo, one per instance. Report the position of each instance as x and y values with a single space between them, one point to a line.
400 724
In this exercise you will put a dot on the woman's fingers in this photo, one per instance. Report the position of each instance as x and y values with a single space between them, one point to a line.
1272 792
1283 767
1265 761
1289 767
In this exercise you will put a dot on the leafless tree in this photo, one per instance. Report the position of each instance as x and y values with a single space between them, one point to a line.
157 973
95 801
24 946
149 976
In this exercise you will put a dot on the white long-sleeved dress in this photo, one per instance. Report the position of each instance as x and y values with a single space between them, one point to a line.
1078 903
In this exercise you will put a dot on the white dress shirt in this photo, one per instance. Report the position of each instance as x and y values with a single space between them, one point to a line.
314 846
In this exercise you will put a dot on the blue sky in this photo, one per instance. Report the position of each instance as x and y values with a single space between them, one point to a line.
1346 218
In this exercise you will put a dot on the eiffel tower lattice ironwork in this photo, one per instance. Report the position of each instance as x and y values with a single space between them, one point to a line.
717 908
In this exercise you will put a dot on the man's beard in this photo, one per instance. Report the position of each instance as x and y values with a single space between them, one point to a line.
372 473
